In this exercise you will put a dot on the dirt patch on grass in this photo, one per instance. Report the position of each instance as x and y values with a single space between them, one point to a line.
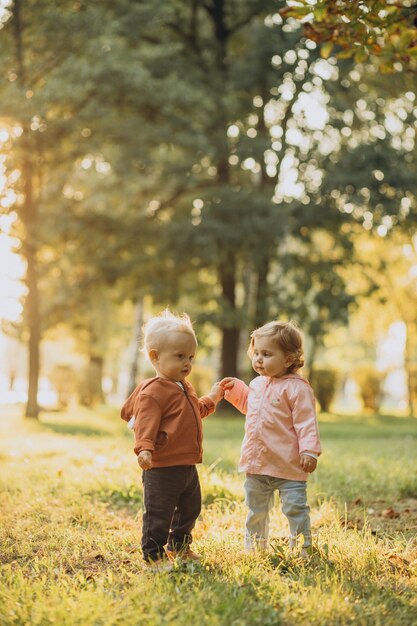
383 516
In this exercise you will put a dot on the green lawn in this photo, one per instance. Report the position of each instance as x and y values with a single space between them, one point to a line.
70 508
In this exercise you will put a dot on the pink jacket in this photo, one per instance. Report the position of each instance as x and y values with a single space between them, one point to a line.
280 424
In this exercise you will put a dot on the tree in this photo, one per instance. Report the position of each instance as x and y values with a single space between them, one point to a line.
45 112
189 168
390 262
382 32
236 209
371 180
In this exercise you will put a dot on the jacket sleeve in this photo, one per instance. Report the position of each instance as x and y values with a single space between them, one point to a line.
238 395
148 417
305 421
206 406
127 409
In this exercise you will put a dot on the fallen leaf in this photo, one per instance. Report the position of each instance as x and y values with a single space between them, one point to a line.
398 563
390 513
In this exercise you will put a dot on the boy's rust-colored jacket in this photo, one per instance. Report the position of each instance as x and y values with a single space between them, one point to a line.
168 421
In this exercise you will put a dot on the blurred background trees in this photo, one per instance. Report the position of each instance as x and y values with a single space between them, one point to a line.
212 156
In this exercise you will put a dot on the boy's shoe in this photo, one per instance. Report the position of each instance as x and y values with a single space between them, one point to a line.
159 566
186 554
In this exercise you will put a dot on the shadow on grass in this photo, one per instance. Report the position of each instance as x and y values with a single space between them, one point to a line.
334 426
368 599
76 429
128 496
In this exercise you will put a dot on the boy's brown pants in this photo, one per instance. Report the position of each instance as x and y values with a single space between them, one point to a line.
172 501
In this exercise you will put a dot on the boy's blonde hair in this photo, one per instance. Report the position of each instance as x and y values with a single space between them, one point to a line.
287 336
156 329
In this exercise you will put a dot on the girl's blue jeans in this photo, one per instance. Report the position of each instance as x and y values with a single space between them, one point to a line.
259 498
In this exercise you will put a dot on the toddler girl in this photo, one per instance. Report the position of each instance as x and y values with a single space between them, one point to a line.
281 443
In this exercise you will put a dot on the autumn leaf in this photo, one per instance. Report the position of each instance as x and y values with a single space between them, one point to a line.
398 563
361 55
326 50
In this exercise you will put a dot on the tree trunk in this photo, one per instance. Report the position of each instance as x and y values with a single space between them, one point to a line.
90 389
96 368
409 372
309 361
29 215
137 330
230 338
261 310
32 304
228 268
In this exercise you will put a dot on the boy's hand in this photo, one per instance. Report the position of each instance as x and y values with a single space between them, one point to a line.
145 459
227 383
308 463
216 393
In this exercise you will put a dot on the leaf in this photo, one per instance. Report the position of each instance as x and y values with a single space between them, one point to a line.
320 15
386 68
311 33
407 38
390 513
326 49
345 54
361 56
398 562
297 12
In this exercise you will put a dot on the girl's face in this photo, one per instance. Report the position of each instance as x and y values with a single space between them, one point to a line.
268 359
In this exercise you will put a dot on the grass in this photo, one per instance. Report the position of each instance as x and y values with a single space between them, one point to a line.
70 509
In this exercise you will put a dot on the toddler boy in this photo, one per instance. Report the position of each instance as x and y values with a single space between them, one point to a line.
167 414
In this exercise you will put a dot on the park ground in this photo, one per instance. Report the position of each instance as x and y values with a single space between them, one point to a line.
70 510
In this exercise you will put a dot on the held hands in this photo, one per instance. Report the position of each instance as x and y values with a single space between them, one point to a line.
145 459
227 383
308 463
216 393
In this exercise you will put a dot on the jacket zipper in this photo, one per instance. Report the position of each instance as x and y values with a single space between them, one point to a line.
195 416
259 421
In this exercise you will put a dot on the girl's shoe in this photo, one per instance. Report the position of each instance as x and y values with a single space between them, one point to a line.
306 553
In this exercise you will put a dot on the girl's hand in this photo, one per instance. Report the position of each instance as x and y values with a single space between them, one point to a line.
216 393
308 463
145 459
227 383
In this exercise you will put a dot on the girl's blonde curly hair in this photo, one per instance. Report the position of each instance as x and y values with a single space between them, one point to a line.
288 338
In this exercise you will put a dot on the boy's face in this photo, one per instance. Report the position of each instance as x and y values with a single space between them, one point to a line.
174 359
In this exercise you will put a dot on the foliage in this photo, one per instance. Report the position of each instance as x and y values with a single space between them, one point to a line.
413 383
202 154
324 382
370 383
89 383
383 31
63 378
388 284
46 115
201 379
